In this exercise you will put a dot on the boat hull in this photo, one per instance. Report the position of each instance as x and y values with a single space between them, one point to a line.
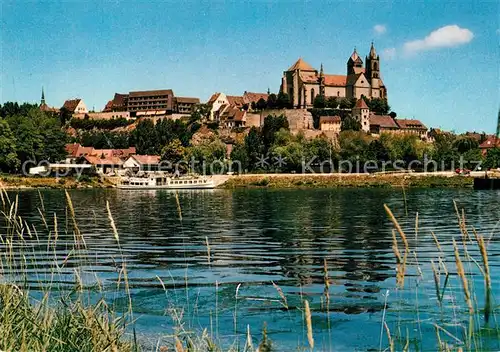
148 187
481 183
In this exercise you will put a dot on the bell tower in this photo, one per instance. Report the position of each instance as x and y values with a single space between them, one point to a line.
373 72
354 64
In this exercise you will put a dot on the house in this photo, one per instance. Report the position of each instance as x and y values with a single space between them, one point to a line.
103 164
75 106
220 102
233 117
185 105
361 113
412 126
382 124
142 163
119 103
490 143
76 151
330 123
104 115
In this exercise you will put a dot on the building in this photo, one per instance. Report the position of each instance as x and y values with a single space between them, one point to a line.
233 117
103 164
142 163
490 143
104 115
382 124
330 123
44 107
75 106
75 151
250 98
361 113
185 105
221 104
151 103
303 83
151 100
412 126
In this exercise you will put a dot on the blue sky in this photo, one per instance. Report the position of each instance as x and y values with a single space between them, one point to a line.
439 60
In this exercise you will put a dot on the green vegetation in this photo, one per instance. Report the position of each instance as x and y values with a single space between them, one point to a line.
29 135
90 124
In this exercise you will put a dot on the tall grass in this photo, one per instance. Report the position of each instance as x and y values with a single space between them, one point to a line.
62 318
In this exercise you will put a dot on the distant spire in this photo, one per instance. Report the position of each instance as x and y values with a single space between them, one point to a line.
42 101
268 91
373 53
321 71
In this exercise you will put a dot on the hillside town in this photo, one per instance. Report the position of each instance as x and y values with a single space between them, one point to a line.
313 106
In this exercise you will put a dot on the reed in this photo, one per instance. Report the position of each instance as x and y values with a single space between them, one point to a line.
307 312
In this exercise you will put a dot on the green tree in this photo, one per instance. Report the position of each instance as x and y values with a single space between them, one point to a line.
354 146
239 155
200 112
283 101
349 123
378 151
319 102
146 138
332 103
261 104
8 156
272 101
463 144
254 147
492 160
344 103
272 124
173 152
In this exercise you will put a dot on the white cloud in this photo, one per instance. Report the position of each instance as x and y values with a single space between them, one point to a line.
380 28
389 53
447 36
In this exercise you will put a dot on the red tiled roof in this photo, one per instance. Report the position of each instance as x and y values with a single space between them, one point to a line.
301 65
410 124
330 119
249 97
147 159
490 143
71 104
147 93
109 106
361 104
335 80
76 150
383 121
233 114
213 98
235 100
106 160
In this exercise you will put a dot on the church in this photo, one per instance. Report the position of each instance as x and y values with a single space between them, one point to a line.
302 82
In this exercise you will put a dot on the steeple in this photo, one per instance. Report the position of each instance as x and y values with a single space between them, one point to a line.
321 74
354 64
321 81
373 53
42 101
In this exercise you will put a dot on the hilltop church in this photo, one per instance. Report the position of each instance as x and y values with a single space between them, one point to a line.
302 82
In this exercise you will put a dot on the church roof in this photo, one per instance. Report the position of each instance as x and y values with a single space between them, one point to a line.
352 79
71 104
301 65
361 104
335 80
355 57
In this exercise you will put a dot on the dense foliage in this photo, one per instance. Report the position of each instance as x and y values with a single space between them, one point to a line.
109 124
29 136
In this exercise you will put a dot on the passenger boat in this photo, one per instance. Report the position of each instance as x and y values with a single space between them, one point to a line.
166 182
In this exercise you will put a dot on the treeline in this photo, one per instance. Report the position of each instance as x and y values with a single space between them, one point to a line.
29 136
103 124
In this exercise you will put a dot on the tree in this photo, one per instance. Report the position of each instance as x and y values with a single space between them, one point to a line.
378 105
272 101
378 151
332 103
254 146
283 101
349 123
492 160
344 103
463 144
200 112
261 104
239 155
272 124
64 115
173 152
319 102
8 156
393 114
146 137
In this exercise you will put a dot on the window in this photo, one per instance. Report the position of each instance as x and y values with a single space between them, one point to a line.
312 96
338 93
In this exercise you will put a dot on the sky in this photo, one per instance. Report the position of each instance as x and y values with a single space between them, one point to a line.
440 60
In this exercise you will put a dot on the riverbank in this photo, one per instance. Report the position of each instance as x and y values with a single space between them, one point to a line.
263 181
348 180
23 182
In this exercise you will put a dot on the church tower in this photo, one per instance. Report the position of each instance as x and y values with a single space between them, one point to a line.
42 101
354 64
321 82
373 72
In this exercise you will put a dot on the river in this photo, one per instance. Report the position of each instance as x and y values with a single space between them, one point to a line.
256 238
